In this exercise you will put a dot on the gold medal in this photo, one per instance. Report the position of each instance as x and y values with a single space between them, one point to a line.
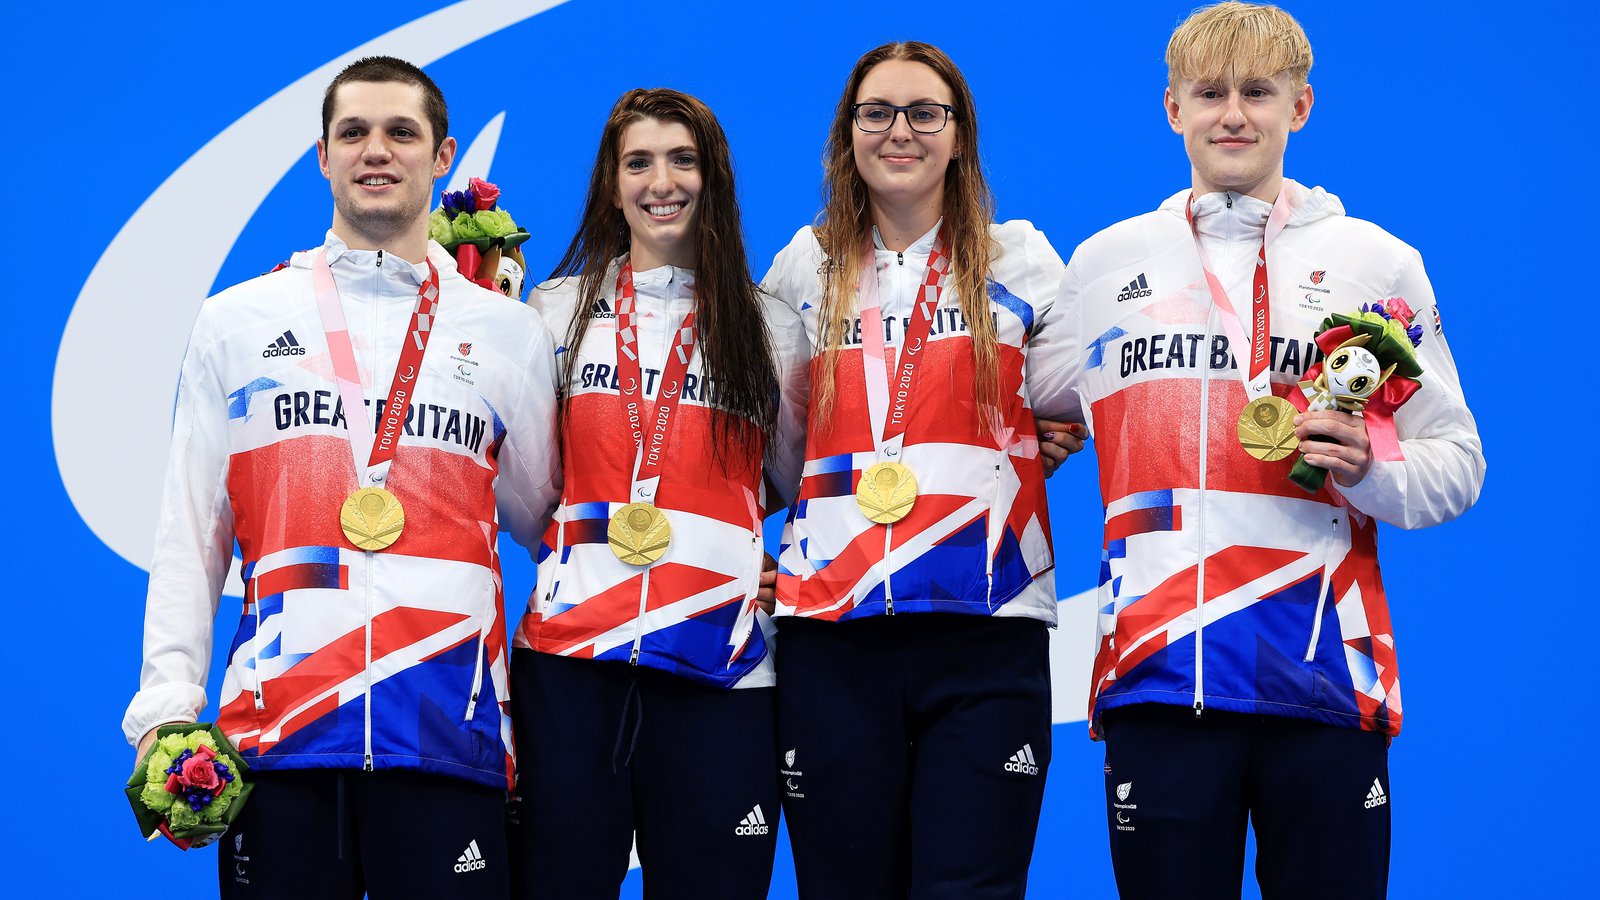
1266 428
886 492
639 534
372 518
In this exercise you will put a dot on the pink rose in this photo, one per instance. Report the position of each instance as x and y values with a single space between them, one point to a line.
1398 308
484 194
198 771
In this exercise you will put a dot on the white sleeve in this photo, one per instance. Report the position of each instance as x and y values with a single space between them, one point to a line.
555 301
792 361
194 547
793 276
529 482
1443 468
1055 351
1044 265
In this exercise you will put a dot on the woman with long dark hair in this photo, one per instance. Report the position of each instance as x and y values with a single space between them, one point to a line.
642 685
916 589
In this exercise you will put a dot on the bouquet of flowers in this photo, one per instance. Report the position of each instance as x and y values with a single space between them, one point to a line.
189 785
1369 368
471 225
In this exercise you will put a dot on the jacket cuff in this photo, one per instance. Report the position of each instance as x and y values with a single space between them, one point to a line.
1381 494
160 705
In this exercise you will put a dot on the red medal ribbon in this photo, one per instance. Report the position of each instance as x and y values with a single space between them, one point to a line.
351 389
890 398
1260 338
630 379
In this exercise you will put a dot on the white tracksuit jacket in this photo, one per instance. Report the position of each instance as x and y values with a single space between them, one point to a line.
1223 585
348 659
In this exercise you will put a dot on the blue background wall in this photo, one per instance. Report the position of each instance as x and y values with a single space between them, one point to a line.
1458 127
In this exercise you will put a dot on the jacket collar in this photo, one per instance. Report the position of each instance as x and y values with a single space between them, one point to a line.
341 258
1226 215
669 284
922 246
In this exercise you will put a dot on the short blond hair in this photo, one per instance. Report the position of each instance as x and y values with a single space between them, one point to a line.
1243 41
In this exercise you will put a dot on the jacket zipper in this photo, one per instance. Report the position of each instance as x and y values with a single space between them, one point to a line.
250 592
1200 574
888 590
367 673
1200 529
477 668
752 589
1322 600
644 580
561 552
888 530
991 543
638 622
367 625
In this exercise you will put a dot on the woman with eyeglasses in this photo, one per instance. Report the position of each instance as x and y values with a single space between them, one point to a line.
915 588
642 683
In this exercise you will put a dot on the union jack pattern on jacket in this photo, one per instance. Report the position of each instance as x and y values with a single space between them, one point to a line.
1222 584
978 539
342 658
692 612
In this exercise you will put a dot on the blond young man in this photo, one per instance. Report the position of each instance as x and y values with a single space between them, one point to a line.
1246 667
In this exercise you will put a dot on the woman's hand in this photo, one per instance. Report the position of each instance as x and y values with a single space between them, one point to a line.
768 591
1057 441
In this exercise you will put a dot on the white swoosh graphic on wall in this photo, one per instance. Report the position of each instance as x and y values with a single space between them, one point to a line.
475 160
133 316
124 340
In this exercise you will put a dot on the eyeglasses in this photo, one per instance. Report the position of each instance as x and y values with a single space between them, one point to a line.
924 118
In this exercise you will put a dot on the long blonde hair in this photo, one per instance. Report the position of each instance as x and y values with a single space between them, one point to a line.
844 225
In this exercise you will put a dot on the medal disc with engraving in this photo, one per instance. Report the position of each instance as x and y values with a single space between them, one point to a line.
1266 428
886 492
639 534
372 518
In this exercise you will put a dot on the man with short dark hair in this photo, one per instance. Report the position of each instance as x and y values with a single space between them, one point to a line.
351 421
1246 668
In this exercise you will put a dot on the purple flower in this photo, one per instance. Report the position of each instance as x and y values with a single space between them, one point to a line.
455 203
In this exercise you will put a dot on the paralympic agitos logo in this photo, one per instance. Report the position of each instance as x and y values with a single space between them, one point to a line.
111 347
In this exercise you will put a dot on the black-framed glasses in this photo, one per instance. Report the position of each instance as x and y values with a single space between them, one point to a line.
924 118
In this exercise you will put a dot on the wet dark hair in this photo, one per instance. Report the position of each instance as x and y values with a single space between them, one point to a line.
383 69
735 349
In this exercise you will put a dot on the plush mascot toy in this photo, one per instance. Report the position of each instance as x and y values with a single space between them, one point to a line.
1370 369
472 226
